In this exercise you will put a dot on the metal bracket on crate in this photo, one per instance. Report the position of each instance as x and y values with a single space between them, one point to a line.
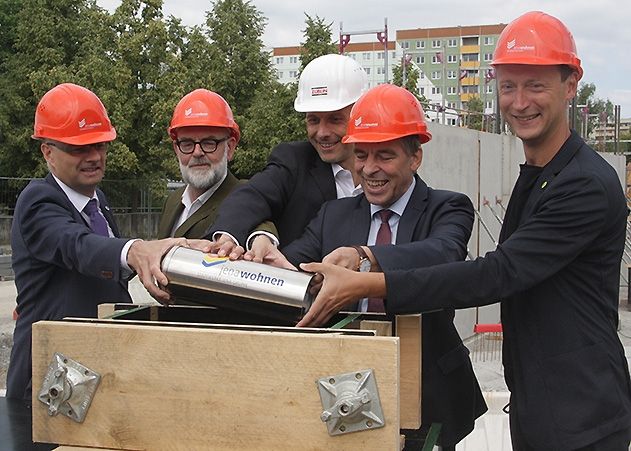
68 388
351 402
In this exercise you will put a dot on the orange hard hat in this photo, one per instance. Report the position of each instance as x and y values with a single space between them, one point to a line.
72 114
537 38
384 113
203 108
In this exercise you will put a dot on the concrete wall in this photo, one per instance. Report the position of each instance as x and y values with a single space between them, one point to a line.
484 166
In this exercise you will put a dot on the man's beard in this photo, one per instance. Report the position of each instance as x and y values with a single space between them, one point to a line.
206 179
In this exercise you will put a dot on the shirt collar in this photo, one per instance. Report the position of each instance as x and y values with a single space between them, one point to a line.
77 199
399 206
186 198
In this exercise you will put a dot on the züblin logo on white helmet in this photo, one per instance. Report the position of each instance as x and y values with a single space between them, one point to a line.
513 47
358 123
84 126
189 113
319 91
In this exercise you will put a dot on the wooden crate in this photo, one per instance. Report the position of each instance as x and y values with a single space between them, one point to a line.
193 386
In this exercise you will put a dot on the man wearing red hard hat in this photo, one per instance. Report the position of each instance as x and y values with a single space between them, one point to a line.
66 251
429 227
204 136
555 271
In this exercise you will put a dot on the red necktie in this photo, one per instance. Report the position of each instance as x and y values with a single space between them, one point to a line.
384 236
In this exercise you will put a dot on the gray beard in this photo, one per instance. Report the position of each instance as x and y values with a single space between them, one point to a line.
204 180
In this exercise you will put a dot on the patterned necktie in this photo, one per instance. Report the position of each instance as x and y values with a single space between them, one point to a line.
97 221
384 236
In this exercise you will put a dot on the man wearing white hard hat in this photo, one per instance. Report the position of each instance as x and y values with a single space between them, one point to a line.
300 176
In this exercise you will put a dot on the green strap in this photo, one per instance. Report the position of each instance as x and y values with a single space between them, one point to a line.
346 321
432 436
118 313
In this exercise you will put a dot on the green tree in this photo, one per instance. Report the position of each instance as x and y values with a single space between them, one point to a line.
269 121
242 65
475 116
52 41
317 40
590 110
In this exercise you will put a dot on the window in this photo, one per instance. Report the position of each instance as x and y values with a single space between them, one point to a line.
452 58
420 60
293 74
379 70
380 55
280 74
421 76
436 43
394 55
488 57
471 40
366 56
451 90
405 45
470 89
420 44
451 104
451 121
451 74
435 90
280 59
293 59
489 89
489 40
451 43
436 75
470 57
489 105
435 59
367 69
421 91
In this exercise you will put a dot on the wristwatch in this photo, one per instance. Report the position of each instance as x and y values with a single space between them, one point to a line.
364 262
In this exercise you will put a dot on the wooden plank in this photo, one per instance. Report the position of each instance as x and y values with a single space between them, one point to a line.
408 328
382 328
105 310
191 388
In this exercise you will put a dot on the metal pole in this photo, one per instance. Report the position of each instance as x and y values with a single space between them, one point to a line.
442 60
617 128
385 50
403 71
573 114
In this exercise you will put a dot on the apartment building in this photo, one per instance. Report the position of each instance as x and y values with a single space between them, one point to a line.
453 65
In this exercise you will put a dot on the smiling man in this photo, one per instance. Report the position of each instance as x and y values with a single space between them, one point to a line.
399 214
301 176
66 251
556 270
204 136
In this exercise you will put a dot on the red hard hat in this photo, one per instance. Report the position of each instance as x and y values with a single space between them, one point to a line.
203 108
72 114
385 113
537 38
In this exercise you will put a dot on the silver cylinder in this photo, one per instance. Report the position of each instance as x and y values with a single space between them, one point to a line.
221 282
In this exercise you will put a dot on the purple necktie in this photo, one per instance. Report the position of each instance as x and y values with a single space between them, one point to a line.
97 221
384 236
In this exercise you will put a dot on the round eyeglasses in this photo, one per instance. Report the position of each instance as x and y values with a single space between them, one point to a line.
208 145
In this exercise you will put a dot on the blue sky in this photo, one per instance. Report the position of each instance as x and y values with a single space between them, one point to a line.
602 29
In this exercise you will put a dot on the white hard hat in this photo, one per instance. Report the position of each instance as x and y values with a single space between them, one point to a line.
330 83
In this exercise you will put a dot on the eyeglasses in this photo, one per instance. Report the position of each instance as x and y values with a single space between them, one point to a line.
208 145
78 150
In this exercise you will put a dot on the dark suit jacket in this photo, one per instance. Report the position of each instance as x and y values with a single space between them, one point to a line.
436 225
61 269
557 277
197 224
289 192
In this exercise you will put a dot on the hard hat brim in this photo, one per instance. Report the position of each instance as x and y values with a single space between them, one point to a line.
373 137
83 140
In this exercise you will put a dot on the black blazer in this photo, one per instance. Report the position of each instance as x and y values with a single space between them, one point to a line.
557 277
289 192
434 228
61 269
